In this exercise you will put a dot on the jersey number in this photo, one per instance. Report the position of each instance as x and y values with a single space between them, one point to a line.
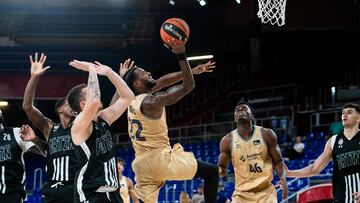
255 168
136 136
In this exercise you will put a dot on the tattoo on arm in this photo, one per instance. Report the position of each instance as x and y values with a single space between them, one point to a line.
93 85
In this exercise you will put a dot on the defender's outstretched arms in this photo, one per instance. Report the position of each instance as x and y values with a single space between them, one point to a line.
90 104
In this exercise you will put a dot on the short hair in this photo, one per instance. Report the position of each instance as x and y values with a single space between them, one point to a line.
119 159
59 104
352 105
129 78
74 97
242 102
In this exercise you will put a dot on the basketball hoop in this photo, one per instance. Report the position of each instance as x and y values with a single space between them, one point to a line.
272 11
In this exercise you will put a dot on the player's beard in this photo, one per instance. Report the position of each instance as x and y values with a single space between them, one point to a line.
150 84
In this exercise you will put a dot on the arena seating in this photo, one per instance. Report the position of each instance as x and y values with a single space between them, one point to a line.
207 151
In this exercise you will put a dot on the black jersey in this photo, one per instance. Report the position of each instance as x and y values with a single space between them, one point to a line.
62 162
346 174
12 175
100 171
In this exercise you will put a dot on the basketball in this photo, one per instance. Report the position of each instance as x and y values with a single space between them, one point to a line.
175 31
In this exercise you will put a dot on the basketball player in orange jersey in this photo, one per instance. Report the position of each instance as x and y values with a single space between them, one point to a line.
254 153
126 184
155 160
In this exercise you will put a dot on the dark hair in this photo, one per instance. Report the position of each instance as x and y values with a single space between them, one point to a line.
119 159
129 78
352 105
59 104
242 102
74 97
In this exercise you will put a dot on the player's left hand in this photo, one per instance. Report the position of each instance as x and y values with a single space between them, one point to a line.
356 197
124 67
205 67
27 133
102 69
284 187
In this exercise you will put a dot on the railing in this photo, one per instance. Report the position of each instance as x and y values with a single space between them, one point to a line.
37 173
322 119
297 192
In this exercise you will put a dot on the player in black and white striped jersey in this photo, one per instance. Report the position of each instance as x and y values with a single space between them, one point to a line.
61 160
14 142
97 180
344 150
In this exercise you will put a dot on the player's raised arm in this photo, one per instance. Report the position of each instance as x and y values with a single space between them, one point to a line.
43 123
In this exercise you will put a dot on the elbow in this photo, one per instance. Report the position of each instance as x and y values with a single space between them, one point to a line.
190 87
26 107
129 98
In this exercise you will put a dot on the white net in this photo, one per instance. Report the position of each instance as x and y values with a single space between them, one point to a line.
272 11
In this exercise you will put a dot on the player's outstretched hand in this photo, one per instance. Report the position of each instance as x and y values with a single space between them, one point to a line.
124 67
82 65
204 68
37 65
27 133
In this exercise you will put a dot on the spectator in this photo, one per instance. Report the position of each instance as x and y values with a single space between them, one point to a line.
184 197
199 197
297 151
336 127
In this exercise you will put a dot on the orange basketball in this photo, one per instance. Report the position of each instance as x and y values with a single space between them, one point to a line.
175 31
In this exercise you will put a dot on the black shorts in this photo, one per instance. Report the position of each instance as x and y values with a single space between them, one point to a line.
103 197
11 198
58 192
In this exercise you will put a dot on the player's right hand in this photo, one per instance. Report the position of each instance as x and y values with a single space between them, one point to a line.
37 65
288 172
175 48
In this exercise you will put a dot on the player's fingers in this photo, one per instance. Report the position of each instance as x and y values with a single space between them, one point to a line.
31 59
167 46
98 63
131 64
43 58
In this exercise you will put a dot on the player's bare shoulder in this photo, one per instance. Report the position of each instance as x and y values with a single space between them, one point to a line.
151 107
269 136
225 143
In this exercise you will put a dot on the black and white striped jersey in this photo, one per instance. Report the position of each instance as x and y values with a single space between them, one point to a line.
62 162
100 171
346 175
12 148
